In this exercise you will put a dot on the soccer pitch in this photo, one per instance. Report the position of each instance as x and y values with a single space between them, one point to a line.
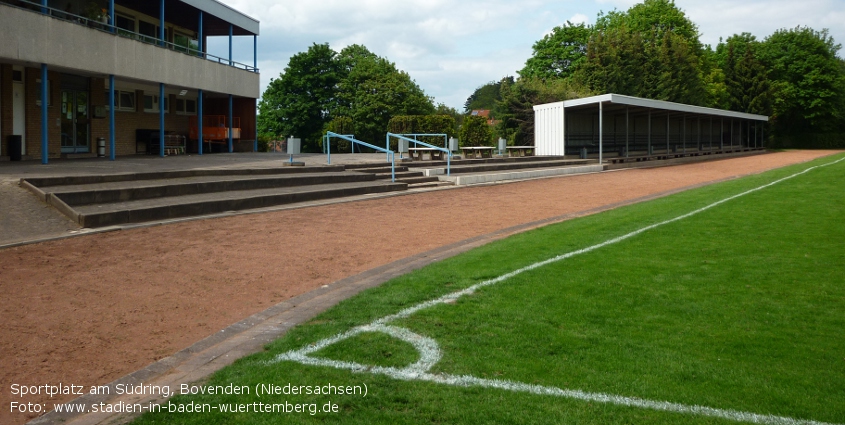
716 305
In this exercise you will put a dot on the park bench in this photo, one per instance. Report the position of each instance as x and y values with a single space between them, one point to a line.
520 150
477 151
418 153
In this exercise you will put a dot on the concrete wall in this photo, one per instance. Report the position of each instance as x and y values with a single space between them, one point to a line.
35 38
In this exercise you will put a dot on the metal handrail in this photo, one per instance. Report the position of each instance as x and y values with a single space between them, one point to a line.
448 153
327 144
112 29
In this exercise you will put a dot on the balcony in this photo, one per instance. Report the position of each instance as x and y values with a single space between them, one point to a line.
86 45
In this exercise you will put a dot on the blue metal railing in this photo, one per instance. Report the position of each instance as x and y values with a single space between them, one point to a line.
417 142
112 29
327 143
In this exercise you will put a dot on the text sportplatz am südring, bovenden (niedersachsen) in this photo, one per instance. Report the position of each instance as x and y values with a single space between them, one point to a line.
270 392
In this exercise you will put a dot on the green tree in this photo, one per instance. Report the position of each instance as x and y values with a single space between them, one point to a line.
373 91
808 80
295 103
475 132
653 19
748 86
558 54
486 96
516 116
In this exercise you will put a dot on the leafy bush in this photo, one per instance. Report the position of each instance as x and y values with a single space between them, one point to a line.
475 132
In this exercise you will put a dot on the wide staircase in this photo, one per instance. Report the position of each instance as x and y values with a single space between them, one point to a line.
414 179
105 200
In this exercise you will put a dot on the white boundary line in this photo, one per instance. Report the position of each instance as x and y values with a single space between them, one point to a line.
430 352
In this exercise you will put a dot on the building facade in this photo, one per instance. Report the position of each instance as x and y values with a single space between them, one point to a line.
132 72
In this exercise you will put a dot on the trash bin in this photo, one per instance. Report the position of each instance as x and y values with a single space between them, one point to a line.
15 147
101 147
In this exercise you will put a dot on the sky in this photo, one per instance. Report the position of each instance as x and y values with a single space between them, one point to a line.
450 48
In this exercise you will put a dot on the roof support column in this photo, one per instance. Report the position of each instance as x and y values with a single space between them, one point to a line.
722 134
711 133
648 151
200 36
112 128
45 139
161 32
161 117
231 147
626 131
601 130
684 133
199 120
112 19
44 11
698 136
667 134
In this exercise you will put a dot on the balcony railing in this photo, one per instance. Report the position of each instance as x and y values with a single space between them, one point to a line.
111 29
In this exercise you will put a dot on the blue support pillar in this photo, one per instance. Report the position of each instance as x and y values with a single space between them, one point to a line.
231 34
161 120
44 10
112 128
111 16
161 23
231 146
199 121
45 139
200 37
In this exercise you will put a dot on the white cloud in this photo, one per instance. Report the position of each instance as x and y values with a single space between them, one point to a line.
450 48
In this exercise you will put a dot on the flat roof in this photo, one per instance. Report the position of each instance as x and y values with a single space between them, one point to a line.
619 99
226 13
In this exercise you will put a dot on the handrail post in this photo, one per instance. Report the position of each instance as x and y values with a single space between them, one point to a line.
328 146
392 167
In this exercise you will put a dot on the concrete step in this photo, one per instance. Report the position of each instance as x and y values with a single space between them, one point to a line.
419 179
98 193
369 165
381 170
210 203
399 175
109 178
431 184
494 160
516 165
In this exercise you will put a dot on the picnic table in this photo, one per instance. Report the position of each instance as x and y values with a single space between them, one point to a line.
417 153
477 151
520 150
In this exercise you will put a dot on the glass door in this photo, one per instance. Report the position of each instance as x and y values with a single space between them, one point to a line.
75 122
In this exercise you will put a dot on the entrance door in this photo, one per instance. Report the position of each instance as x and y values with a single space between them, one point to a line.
18 114
75 122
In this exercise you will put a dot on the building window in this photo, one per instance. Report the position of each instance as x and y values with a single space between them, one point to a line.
151 103
125 25
185 43
150 32
123 100
186 106
38 93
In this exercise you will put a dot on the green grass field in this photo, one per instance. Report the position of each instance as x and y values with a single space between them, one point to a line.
736 310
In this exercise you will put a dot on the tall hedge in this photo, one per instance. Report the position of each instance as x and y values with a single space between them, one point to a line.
423 124
475 132
340 125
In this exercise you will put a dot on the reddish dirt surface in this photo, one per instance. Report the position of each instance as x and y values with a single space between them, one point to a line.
88 310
